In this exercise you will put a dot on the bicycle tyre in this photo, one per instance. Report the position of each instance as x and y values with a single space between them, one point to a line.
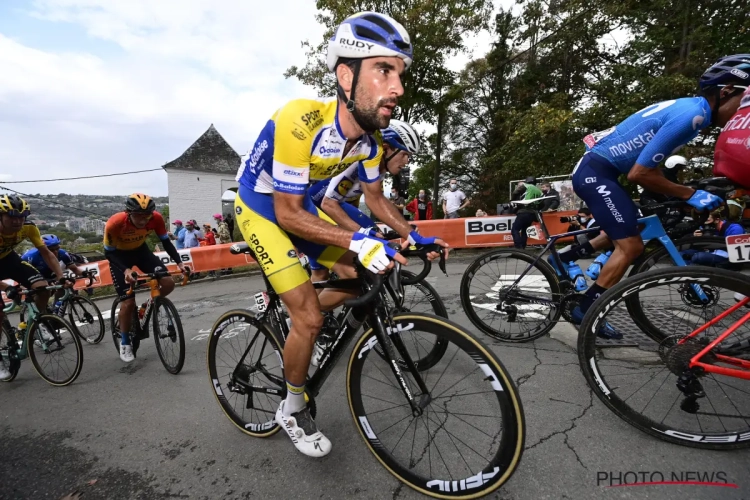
546 270
438 308
222 392
592 373
32 334
647 261
13 363
115 326
75 300
179 335
510 448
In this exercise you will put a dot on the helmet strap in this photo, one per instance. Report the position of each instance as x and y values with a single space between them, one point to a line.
350 101
717 104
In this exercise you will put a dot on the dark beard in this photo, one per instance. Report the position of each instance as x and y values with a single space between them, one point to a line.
369 118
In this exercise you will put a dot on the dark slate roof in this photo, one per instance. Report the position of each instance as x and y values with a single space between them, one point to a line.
210 153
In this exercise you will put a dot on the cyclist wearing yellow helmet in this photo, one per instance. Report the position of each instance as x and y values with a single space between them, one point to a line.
13 230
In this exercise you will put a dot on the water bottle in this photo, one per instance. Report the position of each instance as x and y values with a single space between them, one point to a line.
575 273
57 306
142 310
596 267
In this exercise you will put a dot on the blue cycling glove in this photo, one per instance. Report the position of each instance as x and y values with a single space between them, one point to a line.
417 239
368 231
703 200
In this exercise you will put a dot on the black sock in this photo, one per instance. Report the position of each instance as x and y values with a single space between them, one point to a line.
591 295
576 252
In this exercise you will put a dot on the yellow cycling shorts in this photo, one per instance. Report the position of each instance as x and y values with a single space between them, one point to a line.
275 248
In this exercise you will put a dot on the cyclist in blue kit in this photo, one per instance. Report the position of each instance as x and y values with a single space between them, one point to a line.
635 147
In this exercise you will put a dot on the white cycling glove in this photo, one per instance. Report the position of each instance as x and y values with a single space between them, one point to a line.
373 253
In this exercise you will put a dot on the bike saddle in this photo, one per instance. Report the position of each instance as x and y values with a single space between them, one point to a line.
719 182
242 247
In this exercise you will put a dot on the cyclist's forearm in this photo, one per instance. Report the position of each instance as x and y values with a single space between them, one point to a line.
312 228
654 180
339 216
171 250
389 215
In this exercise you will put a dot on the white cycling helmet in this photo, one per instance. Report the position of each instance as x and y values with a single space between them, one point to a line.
401 135
676 161
369 34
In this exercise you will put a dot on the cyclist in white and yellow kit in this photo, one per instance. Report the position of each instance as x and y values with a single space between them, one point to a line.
309 140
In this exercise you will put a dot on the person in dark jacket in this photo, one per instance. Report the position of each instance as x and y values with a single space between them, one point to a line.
551 204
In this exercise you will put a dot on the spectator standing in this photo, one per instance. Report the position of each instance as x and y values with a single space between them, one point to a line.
453 200
397 199
421 206
526 215
190 240
179 234
208 240
553 203
225 234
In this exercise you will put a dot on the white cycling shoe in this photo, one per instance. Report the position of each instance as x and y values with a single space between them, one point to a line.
303 432
4 372
126 353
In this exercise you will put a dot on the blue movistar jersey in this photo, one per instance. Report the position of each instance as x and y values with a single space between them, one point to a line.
34 258
653 133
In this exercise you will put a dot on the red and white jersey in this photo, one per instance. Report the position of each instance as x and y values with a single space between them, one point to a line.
732 154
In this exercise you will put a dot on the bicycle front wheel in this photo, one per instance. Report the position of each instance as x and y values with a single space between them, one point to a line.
651 385
55 351
86 319
245 366
470 431
168 334
421 297
505 307
114 320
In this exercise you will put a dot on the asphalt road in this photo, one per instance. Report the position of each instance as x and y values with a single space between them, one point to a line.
139 432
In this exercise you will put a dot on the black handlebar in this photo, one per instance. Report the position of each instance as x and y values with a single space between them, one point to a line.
421 252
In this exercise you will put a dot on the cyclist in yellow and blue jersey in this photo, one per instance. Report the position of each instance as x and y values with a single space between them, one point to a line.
13 230
310 139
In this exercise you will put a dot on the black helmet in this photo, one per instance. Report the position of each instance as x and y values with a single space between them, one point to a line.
140 203
14 206
530 180
728 69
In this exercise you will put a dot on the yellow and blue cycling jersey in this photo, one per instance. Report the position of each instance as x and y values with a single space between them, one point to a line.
303 143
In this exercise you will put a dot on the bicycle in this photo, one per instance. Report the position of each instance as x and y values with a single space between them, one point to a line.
416 291
679 389
250 387
82 313
46 339
540 299
167 336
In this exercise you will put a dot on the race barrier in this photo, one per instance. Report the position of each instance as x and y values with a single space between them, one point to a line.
470 232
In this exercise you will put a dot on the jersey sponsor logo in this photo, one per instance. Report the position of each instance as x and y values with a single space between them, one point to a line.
738 122
294 173
328 151
657 158
252 160
288 188
260 252
640 141
312 120
298 134
591 139
344 186
602 190
698 121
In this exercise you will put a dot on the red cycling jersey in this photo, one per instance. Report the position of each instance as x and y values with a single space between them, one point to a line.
121 234
732 154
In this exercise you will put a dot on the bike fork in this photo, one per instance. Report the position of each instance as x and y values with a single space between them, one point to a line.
383 333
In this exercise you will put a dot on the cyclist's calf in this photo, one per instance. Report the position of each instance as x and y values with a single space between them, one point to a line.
166 285
626 251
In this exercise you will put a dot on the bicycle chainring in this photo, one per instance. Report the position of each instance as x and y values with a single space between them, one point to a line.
677 358
568 303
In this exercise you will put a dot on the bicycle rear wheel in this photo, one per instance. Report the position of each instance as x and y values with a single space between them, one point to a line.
8 353
168 335
507 311
86 319
468 388
640 379
55 351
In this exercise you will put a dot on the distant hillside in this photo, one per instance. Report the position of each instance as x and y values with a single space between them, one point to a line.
53 208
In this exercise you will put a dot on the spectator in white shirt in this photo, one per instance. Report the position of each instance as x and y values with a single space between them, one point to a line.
454 200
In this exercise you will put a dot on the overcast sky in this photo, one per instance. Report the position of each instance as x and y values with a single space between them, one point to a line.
102 86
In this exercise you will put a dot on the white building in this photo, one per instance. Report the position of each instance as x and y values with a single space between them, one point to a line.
197 179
